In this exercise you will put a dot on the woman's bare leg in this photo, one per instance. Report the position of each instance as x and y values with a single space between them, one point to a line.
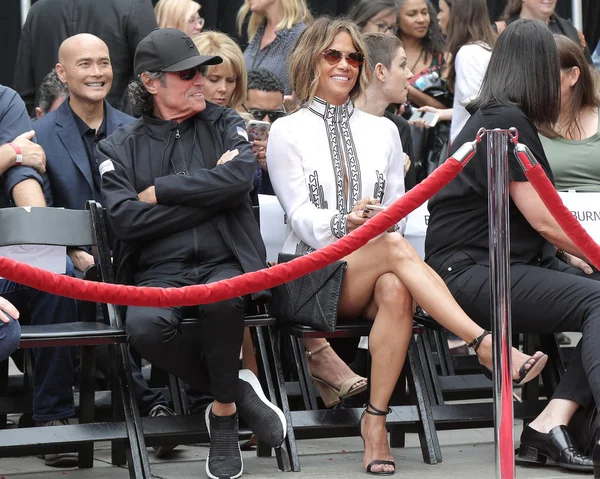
248 355
391 253
329 367
558 412
391 309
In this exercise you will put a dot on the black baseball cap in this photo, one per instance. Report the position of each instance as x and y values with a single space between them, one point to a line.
169 50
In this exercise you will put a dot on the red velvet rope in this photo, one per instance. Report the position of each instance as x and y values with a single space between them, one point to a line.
240 285
569 224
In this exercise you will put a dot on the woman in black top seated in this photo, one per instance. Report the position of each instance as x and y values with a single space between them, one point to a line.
521 89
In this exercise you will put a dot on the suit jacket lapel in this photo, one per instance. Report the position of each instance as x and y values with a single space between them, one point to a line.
68 133
112 122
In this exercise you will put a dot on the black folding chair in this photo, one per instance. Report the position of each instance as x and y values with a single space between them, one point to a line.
414 414
75 228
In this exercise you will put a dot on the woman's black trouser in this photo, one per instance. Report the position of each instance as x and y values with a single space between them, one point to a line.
205 356
552 297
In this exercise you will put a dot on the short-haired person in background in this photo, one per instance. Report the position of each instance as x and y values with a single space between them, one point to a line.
264 102
572 144
322 204
375 16
544 11
273 28
181 14
389 84
225 83
521 89
50 95
10 329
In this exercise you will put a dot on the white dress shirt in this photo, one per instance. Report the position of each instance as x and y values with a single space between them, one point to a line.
322 160
470 65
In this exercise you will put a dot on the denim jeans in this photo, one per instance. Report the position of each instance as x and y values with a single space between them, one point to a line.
53 367
10 333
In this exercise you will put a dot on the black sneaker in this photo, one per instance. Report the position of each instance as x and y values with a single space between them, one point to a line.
61 459
264 418
224 459
160 410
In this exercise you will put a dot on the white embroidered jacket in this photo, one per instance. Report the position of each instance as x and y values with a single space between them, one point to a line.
306 154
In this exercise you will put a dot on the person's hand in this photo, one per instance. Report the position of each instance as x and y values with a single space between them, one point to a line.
33 154
259 148
406 163
82 260
576 262
148 195
6 308
359 206
227 156
355 219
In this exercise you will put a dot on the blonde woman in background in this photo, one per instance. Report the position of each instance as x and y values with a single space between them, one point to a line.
273 28
181 14
225 84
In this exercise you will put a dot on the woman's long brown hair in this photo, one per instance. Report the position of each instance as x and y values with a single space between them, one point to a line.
585 91
468 23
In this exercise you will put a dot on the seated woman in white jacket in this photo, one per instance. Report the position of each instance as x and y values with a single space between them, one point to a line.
327 161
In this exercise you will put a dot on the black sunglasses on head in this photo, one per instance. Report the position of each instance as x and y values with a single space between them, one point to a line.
190 73
259 114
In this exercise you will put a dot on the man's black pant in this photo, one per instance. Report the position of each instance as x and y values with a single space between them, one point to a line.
552 297
205 356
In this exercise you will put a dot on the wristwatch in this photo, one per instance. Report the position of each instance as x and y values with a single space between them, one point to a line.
19 159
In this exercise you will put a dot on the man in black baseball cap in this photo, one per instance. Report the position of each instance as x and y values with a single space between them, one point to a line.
176 186
169 50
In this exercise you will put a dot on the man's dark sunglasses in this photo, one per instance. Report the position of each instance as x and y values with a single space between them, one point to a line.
191 72
258 114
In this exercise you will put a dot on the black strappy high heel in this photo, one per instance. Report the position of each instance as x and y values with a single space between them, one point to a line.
377 462
525 375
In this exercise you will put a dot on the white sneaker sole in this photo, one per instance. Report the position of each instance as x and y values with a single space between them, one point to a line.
208 473
250 378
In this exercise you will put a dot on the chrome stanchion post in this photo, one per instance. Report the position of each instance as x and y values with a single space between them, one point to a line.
499 237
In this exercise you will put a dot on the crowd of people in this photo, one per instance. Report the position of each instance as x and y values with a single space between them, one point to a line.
177 131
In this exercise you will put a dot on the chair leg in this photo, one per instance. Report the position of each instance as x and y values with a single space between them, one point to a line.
175 390
265 362
397 437
304 381
139 465
428 437
3 389
266 380
431 384
274 339
86 402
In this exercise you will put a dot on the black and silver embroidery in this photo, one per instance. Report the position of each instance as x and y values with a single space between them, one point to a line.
341 148
339 225
315 191
379 189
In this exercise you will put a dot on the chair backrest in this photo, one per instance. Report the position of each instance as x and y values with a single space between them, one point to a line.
273 228
45 226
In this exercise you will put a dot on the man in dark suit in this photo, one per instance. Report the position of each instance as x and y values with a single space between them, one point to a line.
68 136
120 23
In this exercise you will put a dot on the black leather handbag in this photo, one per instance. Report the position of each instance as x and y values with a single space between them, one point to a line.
311 300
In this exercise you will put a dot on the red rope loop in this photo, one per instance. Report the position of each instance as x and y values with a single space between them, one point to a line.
569 224
240 285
